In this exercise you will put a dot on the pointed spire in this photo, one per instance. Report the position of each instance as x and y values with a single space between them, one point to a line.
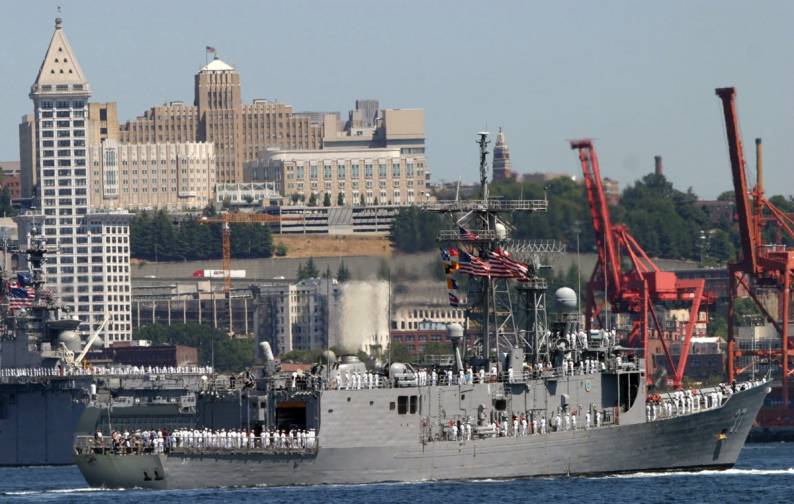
60 67
502 167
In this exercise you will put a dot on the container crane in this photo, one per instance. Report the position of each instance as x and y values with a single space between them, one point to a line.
636 290
235 218
760 266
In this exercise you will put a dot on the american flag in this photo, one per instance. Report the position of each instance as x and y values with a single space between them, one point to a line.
474 265
454 300
20 297
501 260
445 256
466 234
211 49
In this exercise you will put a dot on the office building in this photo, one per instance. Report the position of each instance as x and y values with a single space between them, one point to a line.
90 270
172 176
239 131
348 176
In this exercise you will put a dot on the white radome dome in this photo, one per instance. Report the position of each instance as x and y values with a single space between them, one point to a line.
566 297
501 231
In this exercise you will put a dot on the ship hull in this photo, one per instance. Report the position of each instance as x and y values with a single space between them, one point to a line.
37 425
688 442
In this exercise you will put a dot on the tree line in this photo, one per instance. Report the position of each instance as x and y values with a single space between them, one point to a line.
214 346
666 221
155 236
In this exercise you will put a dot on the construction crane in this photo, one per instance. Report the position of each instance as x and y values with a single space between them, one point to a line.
235 218
637 290
760 265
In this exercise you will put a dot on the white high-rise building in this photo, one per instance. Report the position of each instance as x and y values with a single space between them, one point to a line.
91 270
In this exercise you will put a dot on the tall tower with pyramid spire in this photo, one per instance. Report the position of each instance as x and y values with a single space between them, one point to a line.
502 167
90 270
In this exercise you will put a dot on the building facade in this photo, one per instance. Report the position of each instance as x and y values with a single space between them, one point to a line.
502 166
90 270
239 131
248 194
173 176
348 176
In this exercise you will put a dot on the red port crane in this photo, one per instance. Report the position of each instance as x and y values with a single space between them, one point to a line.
760 266
637 290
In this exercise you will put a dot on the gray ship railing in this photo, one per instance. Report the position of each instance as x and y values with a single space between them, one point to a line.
170 445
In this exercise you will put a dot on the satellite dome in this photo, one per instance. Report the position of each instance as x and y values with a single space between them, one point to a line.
566 297
455 330
501 231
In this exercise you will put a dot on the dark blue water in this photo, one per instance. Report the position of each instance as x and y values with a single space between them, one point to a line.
764 474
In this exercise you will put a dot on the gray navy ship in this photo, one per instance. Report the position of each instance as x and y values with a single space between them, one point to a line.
522 396
46 383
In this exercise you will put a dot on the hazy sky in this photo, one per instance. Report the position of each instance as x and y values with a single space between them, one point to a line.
639 77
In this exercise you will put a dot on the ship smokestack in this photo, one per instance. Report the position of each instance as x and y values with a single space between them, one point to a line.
657 165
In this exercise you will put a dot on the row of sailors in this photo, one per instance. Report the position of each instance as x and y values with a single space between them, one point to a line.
102 370
584 366
241 438
354 381
684 402
148 441
523 425
367 381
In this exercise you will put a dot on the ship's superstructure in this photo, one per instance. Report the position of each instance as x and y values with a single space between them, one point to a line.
523 396
45 382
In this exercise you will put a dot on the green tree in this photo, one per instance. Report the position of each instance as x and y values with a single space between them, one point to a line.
720 246
362 201
281 250
384 272
327 200
399 352
342 274
312 200
435 348
726 196
340 199
229 354
414 230
308 270
6 208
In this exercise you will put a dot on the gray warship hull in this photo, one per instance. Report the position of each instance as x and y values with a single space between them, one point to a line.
707 439
38 424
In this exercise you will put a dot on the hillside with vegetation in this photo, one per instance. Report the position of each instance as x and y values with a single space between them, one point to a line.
666 221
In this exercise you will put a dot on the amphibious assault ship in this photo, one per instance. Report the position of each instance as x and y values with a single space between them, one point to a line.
46 383
524 396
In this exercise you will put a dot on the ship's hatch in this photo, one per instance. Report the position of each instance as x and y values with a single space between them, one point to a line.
629 388
291 415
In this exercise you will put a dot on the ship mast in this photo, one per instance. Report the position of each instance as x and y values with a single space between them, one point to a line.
490 263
